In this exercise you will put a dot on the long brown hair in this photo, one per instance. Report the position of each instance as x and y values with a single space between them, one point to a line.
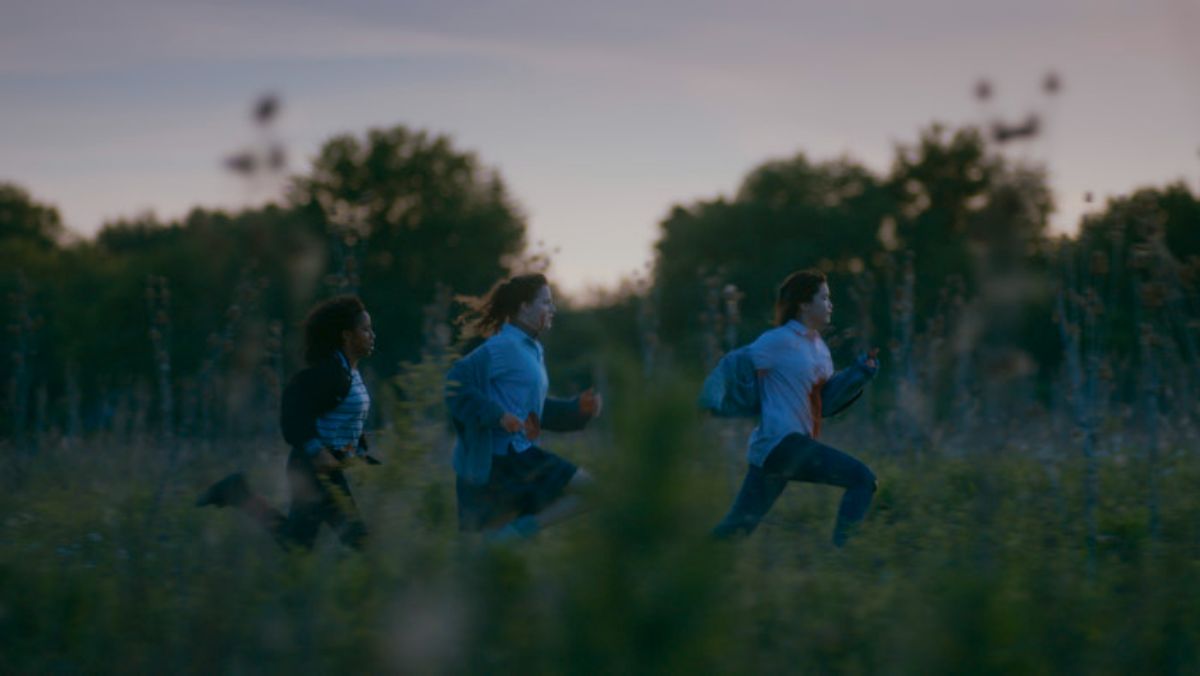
484 316
797 289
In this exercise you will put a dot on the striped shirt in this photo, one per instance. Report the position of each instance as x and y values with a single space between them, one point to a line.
343 426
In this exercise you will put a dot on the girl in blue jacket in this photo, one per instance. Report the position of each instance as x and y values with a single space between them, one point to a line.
793 367
507 485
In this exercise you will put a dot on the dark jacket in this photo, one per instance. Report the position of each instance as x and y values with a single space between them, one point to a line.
311 394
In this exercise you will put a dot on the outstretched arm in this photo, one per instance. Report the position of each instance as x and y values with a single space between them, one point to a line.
846 386
569 415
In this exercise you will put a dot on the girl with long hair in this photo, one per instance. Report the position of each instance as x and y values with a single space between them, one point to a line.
508 486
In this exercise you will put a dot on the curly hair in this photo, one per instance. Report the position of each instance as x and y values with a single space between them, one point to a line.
484 316
325 323
797 289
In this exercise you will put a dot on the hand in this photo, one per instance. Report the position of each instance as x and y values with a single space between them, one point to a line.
325 462
872 360
533 427
511 423
590 403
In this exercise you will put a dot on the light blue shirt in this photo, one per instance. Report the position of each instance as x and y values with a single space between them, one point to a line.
791 361
343 425
517 380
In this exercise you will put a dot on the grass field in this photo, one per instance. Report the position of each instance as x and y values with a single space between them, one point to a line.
970 561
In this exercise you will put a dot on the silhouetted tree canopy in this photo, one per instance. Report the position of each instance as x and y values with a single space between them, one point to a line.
422 213
417 212
25 220
949 201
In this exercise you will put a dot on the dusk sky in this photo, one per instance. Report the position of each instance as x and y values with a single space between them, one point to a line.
599 116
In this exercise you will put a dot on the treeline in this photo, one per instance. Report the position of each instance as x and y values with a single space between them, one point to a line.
398 217
944 260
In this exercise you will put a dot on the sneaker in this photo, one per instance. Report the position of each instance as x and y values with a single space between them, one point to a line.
517 530
231 490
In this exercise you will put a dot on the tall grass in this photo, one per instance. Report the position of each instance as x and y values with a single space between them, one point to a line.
966 564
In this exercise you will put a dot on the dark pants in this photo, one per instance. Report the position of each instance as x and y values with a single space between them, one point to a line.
519 484
317 498
800 458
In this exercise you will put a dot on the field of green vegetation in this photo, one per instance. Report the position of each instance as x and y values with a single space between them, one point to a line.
972 560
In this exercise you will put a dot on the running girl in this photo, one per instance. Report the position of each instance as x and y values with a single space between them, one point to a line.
508 486
323 414
795 382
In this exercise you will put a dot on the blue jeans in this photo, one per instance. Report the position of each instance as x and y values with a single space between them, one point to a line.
800 458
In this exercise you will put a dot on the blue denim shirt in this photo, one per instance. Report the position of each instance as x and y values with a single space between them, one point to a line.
476 415
517 381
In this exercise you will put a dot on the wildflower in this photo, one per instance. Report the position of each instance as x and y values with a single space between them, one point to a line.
1052 83
983 90
266 109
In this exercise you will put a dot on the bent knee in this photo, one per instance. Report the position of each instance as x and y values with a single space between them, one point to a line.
867 479
582 481
354 534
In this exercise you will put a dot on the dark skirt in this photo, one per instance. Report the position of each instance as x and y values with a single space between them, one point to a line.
317 498
519 484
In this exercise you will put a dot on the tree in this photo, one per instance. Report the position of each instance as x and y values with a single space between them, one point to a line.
1148 241
949 204
23 219
787 214
962 210
1171 211
403 211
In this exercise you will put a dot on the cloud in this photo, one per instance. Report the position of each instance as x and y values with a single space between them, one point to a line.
58 37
